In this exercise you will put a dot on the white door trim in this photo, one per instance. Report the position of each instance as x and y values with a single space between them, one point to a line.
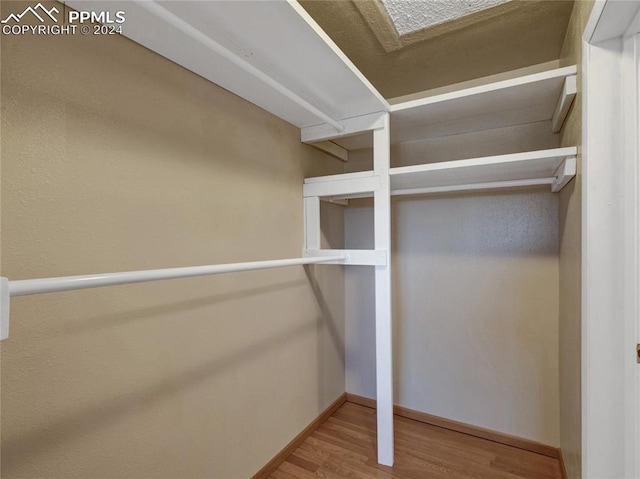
631 112
611 244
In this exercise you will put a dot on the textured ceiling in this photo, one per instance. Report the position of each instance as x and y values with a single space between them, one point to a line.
413 15
509 36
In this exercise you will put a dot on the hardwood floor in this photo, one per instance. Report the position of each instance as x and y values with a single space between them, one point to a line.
344 447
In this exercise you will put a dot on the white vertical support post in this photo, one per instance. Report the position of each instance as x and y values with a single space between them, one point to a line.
384 357
312 235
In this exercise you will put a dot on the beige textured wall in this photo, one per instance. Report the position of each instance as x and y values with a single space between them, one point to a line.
527 32
570 262
475 295
113 159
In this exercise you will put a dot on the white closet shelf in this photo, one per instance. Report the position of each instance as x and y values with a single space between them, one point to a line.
525 99
553 167
272 54
544 96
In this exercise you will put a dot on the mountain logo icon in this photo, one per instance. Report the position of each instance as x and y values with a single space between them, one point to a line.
34 11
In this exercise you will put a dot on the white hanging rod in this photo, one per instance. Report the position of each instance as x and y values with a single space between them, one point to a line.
67 283
211 44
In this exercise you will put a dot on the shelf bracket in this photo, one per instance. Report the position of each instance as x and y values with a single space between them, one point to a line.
355 257
335 200
4 308
564 173
356 124
569 91
341 187
330 148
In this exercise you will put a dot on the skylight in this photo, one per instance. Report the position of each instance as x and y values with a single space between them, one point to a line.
412 15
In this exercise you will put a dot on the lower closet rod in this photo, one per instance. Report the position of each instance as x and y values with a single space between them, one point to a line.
66 283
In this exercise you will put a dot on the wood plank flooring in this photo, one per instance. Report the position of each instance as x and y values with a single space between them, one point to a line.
344 447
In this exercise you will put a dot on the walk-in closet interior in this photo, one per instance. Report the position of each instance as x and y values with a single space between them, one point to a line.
233 226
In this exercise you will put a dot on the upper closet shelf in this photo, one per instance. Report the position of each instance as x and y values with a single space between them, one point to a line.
544 96
273 54
553 167
531 98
